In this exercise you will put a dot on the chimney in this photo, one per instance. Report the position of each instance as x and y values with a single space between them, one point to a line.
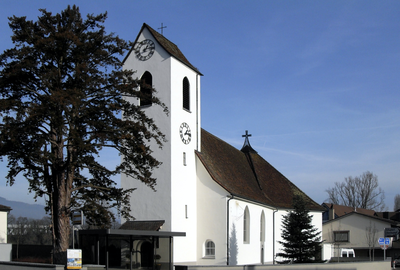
331 213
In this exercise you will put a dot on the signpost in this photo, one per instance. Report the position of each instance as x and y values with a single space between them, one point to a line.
384 243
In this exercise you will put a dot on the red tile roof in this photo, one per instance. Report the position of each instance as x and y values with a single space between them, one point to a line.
261 183
341 210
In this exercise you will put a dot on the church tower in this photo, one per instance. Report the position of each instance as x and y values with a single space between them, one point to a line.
177 83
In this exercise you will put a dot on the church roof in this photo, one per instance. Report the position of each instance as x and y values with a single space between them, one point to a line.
170 47
247 175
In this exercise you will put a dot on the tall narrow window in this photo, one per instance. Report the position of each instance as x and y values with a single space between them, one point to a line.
186 94
146 89
246 226
262 227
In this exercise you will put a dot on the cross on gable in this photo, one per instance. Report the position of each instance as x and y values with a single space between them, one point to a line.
162 28
247 135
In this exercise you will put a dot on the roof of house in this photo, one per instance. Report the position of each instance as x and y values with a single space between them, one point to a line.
341 210
395 215
4 208
361 214
247 175
169 46
142 225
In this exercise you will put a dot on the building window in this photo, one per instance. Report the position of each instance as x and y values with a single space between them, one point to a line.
146 89
262 227
186 94
246 226
341 236
209 249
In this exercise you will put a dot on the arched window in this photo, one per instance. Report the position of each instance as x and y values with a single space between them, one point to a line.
186 94
209 249
246 226
146 89
262 227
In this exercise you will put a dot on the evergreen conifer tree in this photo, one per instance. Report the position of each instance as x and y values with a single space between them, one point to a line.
301 240
62 94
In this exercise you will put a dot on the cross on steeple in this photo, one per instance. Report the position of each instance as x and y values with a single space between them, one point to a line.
246 146
162 28
247 135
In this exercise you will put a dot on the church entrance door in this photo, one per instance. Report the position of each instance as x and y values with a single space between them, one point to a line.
147 254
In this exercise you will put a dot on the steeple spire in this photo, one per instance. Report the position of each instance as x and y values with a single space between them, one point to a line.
246 146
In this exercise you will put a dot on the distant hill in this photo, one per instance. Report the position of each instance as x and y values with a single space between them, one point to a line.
20 209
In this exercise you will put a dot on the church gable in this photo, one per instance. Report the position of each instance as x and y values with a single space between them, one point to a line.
259 182
167 45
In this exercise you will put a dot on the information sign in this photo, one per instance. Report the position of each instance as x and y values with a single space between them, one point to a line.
77 218
387 241
74 258
391 232
384 243
381 241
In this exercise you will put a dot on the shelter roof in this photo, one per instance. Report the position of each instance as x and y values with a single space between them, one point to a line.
4 208
144 225
135 233
247 175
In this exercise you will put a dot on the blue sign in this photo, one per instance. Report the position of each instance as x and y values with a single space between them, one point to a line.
387 241
381 241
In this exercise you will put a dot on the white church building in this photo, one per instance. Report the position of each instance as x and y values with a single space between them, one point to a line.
229 202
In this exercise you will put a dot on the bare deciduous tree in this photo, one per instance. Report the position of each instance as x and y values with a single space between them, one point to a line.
396 202
371 233
361 191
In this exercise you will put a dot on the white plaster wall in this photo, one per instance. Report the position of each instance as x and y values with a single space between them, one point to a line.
183 189
145 203
3 227
250 253
212 217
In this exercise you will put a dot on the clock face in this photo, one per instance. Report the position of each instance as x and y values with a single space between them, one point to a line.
184 132
144 49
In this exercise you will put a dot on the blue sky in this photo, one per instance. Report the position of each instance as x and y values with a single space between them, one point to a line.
316 83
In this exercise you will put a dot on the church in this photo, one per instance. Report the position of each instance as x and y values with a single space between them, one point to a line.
229 202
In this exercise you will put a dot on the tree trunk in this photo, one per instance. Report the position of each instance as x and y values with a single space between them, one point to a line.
61 226
61 196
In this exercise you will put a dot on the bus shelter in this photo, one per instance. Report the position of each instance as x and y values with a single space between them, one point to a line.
128 249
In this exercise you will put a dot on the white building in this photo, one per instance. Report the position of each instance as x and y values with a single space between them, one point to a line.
4 210
358 229
229 202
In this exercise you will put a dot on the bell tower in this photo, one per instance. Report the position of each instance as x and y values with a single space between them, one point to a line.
177 83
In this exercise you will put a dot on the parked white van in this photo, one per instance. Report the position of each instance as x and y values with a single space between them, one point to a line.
347 252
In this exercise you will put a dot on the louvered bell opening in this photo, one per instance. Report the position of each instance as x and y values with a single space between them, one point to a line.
146 89
186 94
